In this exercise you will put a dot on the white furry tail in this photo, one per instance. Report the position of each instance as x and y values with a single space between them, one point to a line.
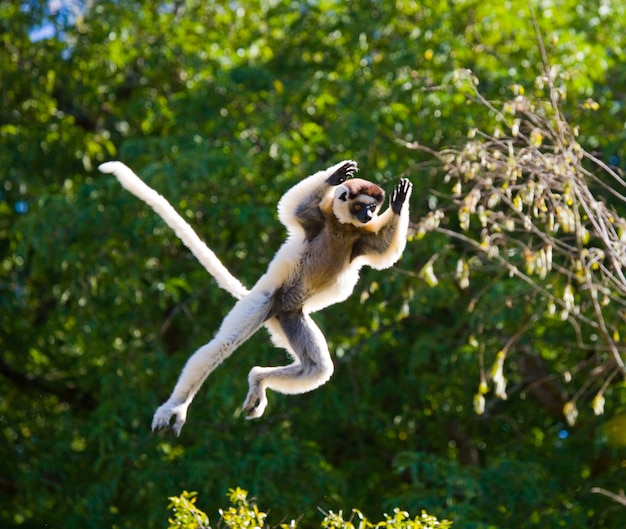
183 230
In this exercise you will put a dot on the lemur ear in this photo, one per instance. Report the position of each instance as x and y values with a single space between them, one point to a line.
343 196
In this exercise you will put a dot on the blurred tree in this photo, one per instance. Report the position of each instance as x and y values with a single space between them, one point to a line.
221 106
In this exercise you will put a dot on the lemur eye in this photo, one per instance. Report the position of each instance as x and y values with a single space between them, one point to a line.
357 207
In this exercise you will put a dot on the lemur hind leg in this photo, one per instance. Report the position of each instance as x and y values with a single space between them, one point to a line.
311 368
246 317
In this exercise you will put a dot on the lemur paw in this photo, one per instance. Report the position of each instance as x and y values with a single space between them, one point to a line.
399 195
255 404
345 171
163 415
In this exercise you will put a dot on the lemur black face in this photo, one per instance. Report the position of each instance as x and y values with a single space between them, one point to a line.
357 202
363 212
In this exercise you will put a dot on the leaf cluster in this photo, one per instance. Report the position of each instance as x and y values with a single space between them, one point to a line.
244 514
536 197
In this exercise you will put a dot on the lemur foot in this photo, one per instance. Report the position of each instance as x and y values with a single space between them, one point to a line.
163 415
255 403
345 171
400 194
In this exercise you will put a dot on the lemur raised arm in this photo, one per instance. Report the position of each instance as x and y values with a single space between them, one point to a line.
334 229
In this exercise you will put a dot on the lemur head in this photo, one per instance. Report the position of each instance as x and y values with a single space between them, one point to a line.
357 201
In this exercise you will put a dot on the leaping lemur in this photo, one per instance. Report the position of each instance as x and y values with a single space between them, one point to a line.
334 229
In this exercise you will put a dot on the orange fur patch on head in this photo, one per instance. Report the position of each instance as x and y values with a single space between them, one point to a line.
358 186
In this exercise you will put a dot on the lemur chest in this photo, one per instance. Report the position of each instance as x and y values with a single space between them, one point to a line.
325 259
321 275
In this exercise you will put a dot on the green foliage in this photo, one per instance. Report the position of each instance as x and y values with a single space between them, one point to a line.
185 513
399 520
242 514
222 106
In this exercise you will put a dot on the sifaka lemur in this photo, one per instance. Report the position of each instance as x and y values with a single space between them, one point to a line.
334 229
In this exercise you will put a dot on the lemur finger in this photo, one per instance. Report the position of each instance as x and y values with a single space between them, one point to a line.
407 186
158 425
178 426
342 174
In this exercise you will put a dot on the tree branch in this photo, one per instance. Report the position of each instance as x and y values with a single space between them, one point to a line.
65 392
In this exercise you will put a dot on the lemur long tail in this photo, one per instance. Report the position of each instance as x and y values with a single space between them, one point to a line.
183 230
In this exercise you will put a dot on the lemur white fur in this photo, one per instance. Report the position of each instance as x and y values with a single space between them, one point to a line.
334 229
